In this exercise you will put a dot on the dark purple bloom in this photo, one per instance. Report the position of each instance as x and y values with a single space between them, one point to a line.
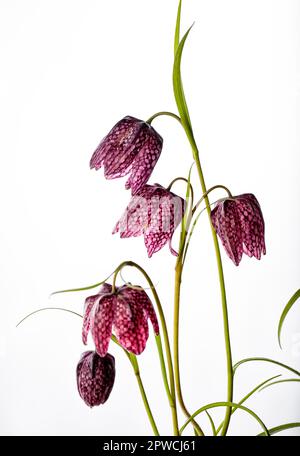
239 223
154 212
95 377
126 312
131 146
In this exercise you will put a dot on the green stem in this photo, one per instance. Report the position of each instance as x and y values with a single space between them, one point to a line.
171 391
178 274
163 113
207 193
221 282
136 369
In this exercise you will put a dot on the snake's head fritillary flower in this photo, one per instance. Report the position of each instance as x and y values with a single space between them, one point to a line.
132 146
239 223
155 213
126 312
95 377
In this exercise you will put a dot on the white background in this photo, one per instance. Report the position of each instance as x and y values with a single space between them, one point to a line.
69 70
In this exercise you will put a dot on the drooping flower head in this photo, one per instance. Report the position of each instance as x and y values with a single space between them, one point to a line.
95 377
126 312
131 146
154 212
239 223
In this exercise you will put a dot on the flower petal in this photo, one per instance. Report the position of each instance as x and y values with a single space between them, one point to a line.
89 303
116 150
130 324
101 322
154 241
252 224
225 219
88 306
145 160
134 219
138 295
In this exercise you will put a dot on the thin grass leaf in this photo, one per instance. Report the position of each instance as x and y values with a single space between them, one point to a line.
178 87
282 427
48 308
285 312
286 380
268 360
83 288
247 397
213 427
177 28
226 404
188 211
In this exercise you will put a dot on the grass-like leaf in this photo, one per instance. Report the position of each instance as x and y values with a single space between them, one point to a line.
286 380
286 310
89 287
189 201
282 427
178 87
247 397
48 308
268 360
226 404
213 427
177 28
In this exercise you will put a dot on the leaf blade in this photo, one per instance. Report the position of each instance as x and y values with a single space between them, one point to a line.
177 27
225 404
47 308
178 87
286 310
280 428
269 360
247 397
286 380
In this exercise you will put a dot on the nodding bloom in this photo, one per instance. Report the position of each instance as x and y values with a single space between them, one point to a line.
239 223
155 213
124 311
95 377
131 146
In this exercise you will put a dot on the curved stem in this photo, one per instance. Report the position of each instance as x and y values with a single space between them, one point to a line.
171 392
178 274
195 151
225 404
184 180
207 193
163 113
247 397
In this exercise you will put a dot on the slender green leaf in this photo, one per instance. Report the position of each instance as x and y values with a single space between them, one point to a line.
225 404
213 427
247 397
83 288
281 381
47 308
188 211
268 360
177 28
178 87
282 427
285 312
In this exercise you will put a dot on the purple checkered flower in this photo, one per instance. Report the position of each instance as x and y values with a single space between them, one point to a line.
126 312
239 223
132 146
95 377
155 213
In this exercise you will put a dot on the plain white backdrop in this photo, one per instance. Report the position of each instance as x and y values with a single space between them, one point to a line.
70 69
